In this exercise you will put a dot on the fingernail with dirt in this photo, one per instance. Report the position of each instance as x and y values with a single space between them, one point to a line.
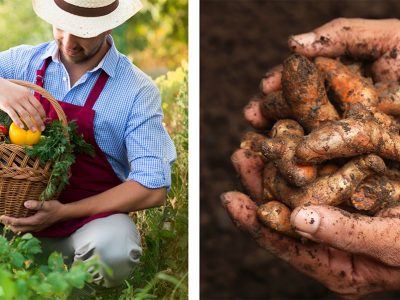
305 39
305 220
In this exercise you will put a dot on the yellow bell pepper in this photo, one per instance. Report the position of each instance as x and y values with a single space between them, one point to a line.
22 137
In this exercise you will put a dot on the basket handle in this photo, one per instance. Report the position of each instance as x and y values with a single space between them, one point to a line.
59 111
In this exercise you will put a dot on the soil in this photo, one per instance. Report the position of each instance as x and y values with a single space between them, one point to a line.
239 42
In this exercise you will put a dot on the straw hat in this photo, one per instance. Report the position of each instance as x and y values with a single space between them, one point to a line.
86 18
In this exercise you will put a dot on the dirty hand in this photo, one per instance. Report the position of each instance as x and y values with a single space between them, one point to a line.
48 213
375 40
354 255
21 106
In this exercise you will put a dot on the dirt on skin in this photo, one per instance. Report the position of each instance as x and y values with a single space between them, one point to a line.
239 42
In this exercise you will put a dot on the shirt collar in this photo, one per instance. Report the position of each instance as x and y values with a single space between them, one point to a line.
108 63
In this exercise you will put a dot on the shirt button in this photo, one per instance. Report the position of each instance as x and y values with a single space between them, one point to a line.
64 78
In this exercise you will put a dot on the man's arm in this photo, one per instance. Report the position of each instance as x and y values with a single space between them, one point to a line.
126 197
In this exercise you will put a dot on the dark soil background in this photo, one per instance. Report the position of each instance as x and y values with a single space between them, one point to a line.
239 42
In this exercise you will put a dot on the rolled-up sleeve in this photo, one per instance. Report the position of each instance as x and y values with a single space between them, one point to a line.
7 63
150 149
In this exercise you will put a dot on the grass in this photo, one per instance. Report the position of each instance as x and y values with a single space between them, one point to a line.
163 270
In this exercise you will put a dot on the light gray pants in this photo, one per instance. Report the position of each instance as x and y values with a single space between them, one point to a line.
114 239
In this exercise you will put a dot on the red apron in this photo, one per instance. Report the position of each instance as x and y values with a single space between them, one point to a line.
89 175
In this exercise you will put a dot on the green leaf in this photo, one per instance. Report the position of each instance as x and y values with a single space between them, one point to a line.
56 262
17 259
58 283
77 277
7 285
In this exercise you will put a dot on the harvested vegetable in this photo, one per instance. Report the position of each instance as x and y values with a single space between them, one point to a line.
281 148
276 215
61 150
375 193
346 86
23 137
303 88
346 138
350 126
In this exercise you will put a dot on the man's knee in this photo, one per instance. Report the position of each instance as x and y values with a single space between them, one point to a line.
118 249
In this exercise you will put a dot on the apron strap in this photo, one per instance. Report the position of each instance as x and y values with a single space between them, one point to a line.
39 76
93 95
96 90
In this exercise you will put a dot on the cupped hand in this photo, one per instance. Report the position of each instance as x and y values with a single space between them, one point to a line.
351 254
339 260
21 106
47 213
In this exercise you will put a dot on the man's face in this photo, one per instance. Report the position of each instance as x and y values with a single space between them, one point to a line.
76 49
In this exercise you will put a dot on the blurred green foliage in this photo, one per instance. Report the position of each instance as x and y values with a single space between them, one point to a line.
163 270
19 25
157 36
24 274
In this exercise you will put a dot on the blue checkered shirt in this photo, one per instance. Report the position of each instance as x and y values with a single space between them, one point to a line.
128 120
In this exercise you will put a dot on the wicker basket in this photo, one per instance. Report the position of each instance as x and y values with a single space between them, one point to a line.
24 178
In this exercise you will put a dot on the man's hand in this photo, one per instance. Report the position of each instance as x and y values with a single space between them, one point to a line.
353 255
344 269
48 213
21 106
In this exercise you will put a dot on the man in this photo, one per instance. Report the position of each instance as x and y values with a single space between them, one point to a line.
117 109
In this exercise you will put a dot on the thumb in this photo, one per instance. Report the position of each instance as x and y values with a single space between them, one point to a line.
34 205
376 237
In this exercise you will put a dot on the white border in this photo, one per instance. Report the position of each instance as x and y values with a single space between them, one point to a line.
194 121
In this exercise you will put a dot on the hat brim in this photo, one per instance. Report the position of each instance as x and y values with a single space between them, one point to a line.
85 27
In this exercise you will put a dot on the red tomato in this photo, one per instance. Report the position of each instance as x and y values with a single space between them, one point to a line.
3 129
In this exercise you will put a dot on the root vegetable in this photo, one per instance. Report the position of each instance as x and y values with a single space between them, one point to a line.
275 186
304 90
347 87
276 215
376 193
327 169
252 141
274 106
287 134
346 138
286 128
329 190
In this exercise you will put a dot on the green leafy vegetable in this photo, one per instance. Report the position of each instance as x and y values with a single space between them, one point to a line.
56 147
5 119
